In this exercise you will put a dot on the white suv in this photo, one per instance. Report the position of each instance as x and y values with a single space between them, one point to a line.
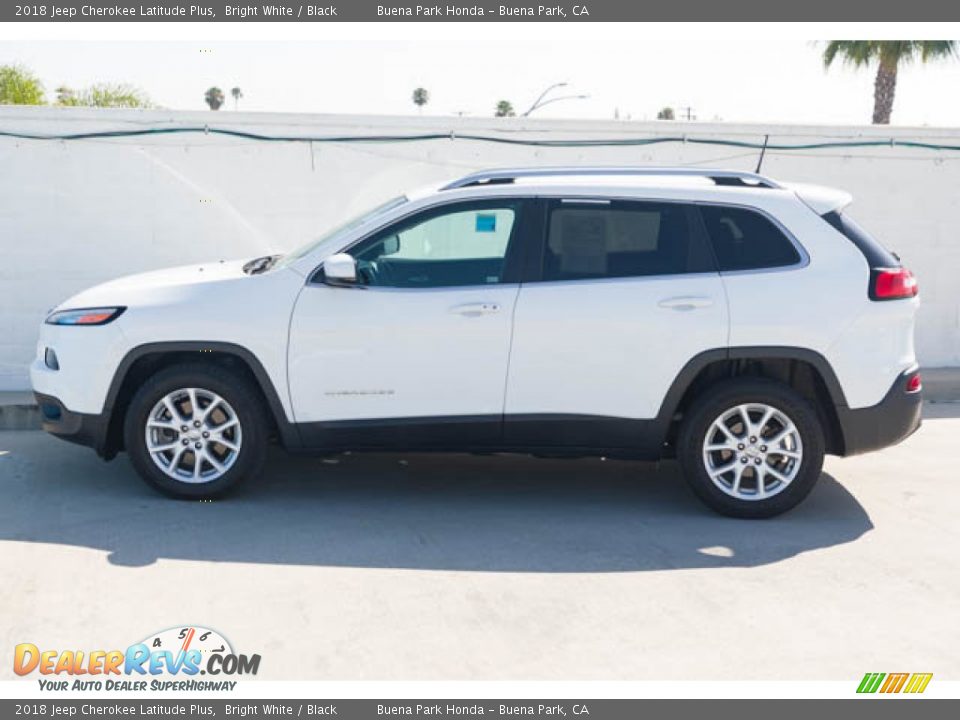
743 326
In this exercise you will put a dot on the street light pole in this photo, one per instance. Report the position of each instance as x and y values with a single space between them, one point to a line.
540 102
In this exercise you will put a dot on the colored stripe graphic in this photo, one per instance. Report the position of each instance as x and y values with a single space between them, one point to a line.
894 683
918 682
870 682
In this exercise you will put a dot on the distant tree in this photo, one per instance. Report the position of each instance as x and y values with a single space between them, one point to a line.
19 86
67 96
420 98
666 113
504 109
104 95
237 95
889 56
214 98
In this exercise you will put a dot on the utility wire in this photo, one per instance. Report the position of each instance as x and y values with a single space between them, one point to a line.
586 143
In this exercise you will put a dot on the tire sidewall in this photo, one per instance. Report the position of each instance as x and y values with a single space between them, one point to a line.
227 385
737 392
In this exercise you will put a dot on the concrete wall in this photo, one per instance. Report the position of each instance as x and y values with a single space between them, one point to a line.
76 213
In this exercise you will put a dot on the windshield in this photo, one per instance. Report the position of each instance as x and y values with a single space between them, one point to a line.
305 250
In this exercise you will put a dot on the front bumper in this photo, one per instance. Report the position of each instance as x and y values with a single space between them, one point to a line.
80 428
889 422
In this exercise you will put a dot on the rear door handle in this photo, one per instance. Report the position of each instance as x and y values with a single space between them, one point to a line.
474 309
686 302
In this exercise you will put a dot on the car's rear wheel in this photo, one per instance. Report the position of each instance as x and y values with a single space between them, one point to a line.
195 431
751 448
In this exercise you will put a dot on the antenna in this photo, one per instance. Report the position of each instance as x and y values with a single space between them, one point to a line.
763 151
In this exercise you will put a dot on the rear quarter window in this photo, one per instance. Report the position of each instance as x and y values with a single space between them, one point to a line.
744 239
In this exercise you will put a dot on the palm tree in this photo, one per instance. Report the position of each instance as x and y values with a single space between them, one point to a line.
504 109
237 94
889 56
420 98
666 113
214 98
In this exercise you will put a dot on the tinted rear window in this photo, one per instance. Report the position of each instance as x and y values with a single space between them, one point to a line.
622 239
746 240
876 254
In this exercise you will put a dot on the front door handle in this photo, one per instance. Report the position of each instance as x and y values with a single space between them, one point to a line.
686 302
474 309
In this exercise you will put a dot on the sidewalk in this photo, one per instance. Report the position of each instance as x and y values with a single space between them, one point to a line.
18 411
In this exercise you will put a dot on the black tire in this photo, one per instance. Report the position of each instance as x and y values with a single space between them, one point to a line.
729 394
241 397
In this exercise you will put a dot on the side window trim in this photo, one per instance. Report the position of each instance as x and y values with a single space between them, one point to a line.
520 236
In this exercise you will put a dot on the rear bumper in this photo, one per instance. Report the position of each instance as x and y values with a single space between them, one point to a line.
889 422
80 428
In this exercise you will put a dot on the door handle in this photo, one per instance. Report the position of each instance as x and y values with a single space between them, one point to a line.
474 309
686 303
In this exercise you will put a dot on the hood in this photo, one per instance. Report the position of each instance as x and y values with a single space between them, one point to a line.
171 283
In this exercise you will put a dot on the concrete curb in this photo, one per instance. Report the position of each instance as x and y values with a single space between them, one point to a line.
18 411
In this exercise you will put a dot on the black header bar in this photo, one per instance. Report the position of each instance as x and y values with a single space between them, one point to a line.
480 11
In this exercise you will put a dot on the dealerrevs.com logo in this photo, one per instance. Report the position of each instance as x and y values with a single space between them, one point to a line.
169 660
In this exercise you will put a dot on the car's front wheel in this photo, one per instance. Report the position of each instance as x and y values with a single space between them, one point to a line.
195 431
751 448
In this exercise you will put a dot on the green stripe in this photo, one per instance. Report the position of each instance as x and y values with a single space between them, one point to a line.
871 682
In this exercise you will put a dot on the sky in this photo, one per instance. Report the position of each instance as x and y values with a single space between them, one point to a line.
730 72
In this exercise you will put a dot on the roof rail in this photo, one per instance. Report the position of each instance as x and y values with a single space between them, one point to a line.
509 175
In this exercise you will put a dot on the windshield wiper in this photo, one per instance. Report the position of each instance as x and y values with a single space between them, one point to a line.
261 264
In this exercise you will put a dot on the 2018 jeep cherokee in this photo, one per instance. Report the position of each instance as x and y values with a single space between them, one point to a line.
744 326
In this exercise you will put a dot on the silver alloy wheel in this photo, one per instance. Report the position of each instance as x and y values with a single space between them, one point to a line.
752 451
193 435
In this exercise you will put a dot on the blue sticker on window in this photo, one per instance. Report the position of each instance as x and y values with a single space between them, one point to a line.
486 223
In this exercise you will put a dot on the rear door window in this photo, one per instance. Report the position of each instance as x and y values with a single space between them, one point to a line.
620 239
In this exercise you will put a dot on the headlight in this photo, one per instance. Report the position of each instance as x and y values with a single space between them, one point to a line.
85 316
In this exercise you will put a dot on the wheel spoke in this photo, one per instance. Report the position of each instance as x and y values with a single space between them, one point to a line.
224 425
777 474
214 402
788 428
172 409
208 456
226 443
761 489
720 470
738 475
194 408
177 457
768 413
718 448
747 425
164 447
722 427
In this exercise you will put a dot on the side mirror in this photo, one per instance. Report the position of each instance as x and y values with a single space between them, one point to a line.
340 269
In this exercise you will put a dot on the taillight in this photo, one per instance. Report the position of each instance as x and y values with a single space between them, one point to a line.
914 383
892 284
